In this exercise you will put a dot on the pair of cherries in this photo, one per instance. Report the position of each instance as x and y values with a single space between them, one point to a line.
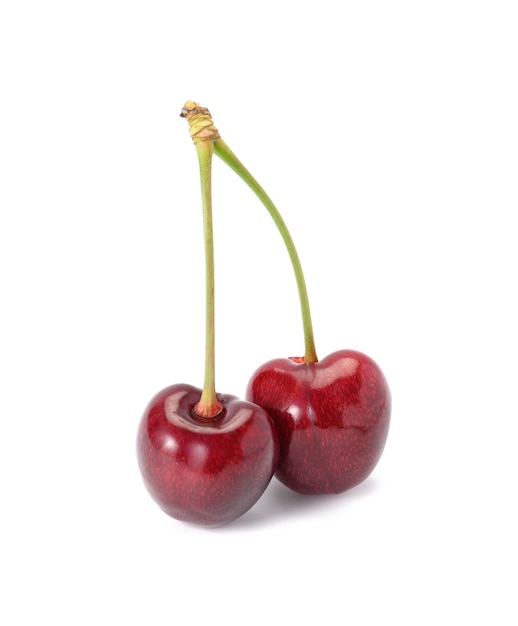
319 426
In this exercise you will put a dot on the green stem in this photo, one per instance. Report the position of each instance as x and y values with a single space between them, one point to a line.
208 406
225 153
203 132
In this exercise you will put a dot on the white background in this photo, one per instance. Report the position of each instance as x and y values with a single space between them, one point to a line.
387 134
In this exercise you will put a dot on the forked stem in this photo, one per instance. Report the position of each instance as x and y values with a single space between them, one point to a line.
203 133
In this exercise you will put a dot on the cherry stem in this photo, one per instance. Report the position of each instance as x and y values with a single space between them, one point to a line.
202 134
225 154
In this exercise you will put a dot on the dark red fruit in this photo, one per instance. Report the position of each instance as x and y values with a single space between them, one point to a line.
332 418
208 472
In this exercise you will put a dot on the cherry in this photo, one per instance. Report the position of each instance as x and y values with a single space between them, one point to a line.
205 457
332 418
205 471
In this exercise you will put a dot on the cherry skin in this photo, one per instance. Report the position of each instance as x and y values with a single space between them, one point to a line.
332 418
208 472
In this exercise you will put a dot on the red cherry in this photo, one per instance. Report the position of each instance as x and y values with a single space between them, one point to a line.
332 418
205 471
